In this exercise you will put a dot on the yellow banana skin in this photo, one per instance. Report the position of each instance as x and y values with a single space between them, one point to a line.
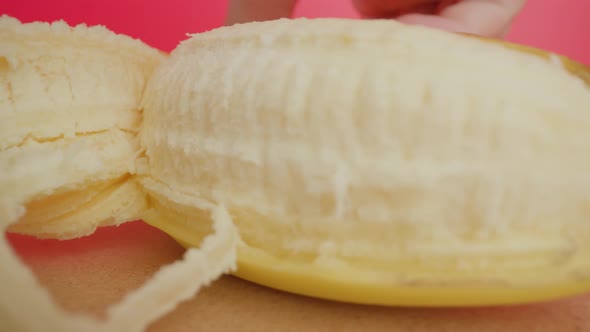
376 163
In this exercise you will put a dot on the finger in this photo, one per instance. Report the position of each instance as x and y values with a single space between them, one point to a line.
485 17
425 8
491 18
433 21
392 8
242 11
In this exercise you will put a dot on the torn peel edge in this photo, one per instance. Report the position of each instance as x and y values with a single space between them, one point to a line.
28 295
179 281
160 295
171 285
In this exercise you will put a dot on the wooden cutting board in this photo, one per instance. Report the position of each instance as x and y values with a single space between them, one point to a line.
85 275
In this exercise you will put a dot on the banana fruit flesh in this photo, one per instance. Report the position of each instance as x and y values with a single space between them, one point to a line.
363 161
372 162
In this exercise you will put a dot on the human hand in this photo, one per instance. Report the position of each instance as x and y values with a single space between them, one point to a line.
490 18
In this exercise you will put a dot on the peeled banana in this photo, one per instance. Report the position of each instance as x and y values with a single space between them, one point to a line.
379 163
363 161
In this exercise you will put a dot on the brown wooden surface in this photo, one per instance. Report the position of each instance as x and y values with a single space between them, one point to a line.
90 273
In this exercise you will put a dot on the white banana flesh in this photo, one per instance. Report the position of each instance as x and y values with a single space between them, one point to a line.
380 153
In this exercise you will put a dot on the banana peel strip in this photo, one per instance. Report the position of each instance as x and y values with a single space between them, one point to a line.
171 285
179 281
22 294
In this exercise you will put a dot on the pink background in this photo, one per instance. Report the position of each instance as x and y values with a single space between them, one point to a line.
562 26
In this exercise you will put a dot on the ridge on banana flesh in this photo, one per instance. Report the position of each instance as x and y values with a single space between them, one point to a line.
373 162
69 119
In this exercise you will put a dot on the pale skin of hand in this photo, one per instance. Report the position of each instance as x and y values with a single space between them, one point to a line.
489 18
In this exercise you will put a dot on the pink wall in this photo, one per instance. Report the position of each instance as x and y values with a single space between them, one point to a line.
561 26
